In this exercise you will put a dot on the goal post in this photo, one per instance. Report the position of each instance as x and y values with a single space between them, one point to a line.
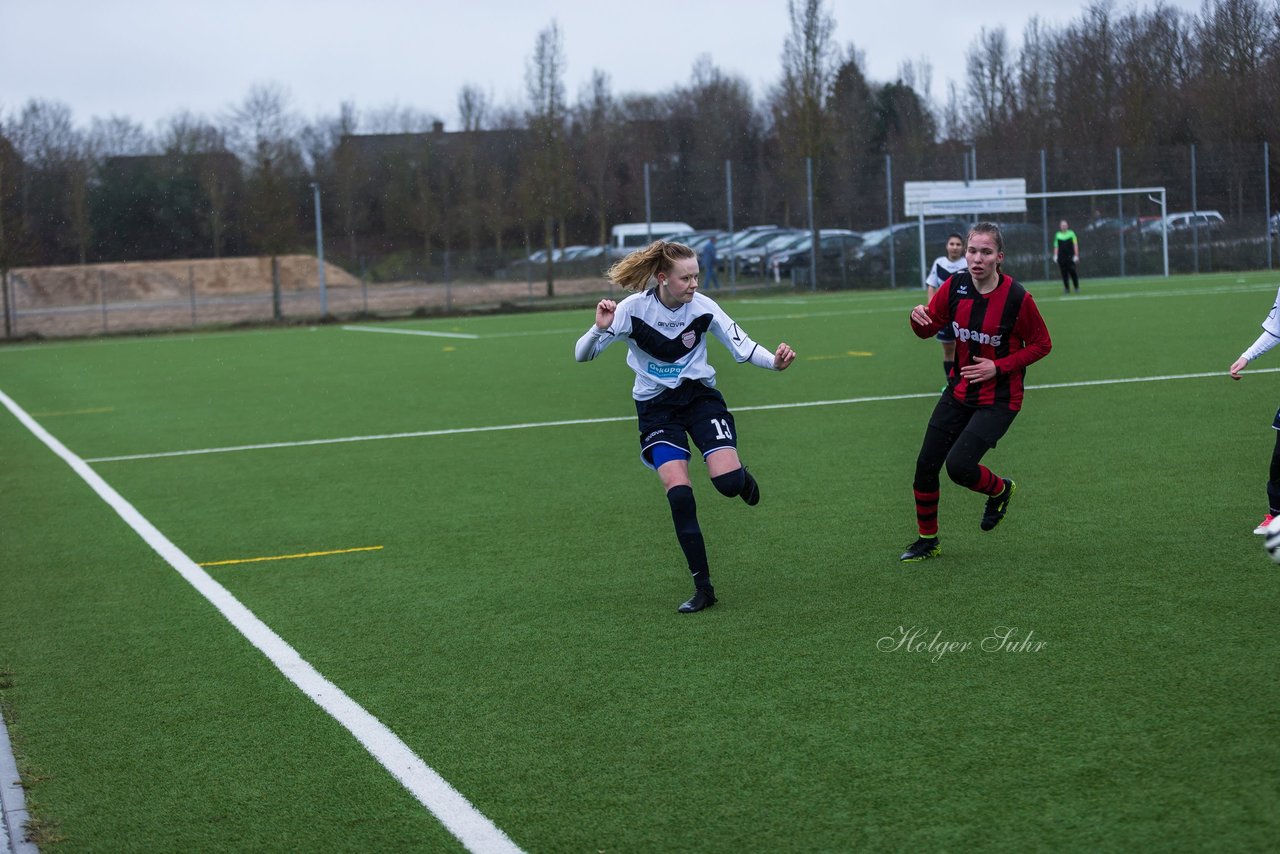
1009 195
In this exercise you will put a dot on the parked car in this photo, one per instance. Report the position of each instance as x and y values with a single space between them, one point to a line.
629 236
572 253
755 261
871 257
1110 225
837 245
742 245
1184 221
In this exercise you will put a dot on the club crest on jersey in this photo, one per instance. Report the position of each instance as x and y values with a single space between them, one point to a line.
689 338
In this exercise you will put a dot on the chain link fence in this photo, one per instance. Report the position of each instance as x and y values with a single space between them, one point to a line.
1230 187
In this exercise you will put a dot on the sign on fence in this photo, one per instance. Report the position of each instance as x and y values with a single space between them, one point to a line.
998 195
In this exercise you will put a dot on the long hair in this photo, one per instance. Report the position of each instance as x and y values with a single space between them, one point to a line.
993 231
634 271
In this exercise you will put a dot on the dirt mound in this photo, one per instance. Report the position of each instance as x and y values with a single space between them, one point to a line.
159 280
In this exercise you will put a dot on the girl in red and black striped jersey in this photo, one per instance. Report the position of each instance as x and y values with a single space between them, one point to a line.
999 331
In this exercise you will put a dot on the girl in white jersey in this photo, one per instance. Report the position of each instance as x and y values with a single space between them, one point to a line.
665 328
1269 338
944 267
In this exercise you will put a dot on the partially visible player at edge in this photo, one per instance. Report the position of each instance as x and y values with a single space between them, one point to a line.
944 267
665 328
1269 338
999 331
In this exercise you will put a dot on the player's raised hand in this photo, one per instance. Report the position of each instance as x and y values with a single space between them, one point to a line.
1237 366
920 316
783 357
605 310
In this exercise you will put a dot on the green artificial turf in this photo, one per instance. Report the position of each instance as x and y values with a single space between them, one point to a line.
517 627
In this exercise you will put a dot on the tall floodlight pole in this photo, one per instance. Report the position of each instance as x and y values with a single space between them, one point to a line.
324 296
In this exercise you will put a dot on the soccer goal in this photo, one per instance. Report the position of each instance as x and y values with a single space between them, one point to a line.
1009 195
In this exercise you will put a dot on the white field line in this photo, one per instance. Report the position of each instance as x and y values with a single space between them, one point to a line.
395 331
577 421
850 312
455 812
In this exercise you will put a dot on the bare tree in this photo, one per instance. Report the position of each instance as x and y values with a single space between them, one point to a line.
544 82
201 148
473 108
119 136
809 63
263 132
991 82
598 121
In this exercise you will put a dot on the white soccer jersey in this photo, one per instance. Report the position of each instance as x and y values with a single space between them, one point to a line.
1270 335
944 268
1272 323
666 346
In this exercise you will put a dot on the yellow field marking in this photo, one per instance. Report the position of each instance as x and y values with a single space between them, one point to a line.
450 349
95 411
839 356
291 557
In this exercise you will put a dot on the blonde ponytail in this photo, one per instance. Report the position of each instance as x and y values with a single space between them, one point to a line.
634 271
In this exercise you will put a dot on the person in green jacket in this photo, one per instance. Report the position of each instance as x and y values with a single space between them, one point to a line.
1066 250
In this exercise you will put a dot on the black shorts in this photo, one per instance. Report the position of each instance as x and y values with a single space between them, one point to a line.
946 334
690 408
986 423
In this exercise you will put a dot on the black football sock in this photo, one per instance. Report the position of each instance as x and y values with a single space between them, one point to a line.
948 369
684 513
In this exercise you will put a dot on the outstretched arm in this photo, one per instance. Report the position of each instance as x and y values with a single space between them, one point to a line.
598 336
1264 343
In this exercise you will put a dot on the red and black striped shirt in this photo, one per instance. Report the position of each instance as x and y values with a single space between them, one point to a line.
1003 325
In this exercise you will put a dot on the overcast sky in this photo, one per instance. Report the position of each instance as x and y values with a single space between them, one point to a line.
148 59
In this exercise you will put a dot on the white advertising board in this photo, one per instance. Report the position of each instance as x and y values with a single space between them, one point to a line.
997 195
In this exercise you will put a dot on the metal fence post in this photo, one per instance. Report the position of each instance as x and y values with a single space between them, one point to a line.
1120 210
816 244
648 211
1195 229
8 317
728 196
888 180
276 311
191 290
1266 189
102 297
1044 209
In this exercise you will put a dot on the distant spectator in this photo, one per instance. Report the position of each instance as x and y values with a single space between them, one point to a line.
708 261
1066 249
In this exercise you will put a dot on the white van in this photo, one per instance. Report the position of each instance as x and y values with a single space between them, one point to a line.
630 236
